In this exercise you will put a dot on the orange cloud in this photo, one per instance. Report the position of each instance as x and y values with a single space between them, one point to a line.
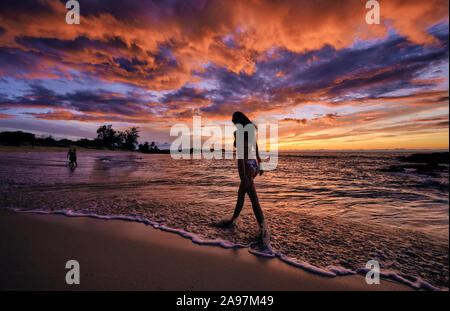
197 38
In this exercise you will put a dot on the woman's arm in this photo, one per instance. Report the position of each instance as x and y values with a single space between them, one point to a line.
257 153
260 171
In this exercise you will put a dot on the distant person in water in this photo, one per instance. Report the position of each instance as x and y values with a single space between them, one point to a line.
72 155
248 168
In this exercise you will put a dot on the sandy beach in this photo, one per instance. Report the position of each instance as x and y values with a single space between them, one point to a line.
121 255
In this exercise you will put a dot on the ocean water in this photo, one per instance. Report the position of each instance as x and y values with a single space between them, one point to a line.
327 212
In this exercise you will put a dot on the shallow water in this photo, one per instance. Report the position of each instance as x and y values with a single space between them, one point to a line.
334 211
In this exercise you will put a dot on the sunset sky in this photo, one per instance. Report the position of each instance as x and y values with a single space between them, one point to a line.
328 78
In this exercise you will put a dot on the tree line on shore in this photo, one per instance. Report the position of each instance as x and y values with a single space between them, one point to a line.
107 138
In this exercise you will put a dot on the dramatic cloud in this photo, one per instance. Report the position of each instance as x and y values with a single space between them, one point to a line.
314 66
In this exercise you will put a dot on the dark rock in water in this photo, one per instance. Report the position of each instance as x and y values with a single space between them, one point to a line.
429 167
422 163
430 158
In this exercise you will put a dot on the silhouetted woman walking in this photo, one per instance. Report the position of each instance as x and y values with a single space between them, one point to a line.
248 167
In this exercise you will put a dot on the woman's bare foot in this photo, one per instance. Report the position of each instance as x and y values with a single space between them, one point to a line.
264 233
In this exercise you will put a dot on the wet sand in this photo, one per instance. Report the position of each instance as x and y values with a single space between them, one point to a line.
122 255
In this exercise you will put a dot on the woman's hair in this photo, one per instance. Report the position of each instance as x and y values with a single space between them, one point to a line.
240 118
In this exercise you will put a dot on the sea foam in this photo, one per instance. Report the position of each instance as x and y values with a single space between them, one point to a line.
331 271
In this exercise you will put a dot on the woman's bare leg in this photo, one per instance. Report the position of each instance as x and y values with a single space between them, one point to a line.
263 231
251 191
240 201
239 204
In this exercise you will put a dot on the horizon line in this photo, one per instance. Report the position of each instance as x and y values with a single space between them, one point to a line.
58 137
